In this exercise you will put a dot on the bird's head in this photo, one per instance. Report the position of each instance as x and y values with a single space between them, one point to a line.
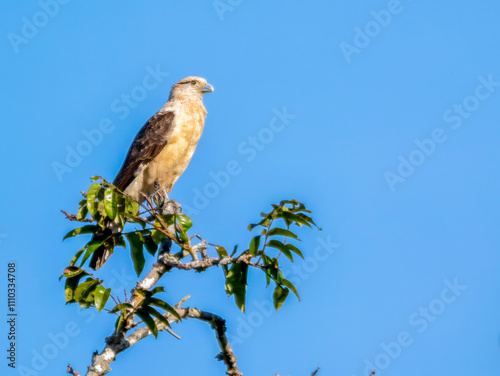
191 87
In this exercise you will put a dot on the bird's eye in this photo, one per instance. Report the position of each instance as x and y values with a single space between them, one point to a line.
194 82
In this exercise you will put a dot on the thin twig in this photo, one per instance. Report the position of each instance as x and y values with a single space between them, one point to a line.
72 371
219 326
73 217
112 297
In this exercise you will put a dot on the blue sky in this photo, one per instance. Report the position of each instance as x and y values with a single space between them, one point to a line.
390 137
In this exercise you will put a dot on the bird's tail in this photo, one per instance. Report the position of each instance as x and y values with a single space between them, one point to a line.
99 257
101 254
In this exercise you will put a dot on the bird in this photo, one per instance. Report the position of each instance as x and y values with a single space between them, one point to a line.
163 148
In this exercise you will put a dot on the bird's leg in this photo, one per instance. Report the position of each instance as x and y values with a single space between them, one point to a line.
168 206
160 196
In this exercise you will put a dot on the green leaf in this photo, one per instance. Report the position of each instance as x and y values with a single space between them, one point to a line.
132 206
122 307
135 220
167 307
291 217
184 221
282 232
294 249
157 236
120 241
267 262
91 248
158 315
76 256
254 245
157 290
101 296
308 219
72 271
119 321
282 247
264 223
279 296
82 211
290 285
168 220
70 287
100 206
91 197
110 203
88 229
292 202
85 288
251 226
236 283
148 320
149 244
221 251
141 291
137 251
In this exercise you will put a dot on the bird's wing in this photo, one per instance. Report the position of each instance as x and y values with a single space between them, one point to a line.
148 143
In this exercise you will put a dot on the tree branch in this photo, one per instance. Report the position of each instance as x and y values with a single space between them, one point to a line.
72 217
72 371
116 344
172 261
219 326
119 341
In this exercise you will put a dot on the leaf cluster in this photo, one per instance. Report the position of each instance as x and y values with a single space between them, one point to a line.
110 212
277 228
145 310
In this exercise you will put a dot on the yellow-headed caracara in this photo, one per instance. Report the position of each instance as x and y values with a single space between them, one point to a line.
162 149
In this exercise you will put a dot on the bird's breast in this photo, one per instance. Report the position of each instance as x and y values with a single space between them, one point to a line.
171 162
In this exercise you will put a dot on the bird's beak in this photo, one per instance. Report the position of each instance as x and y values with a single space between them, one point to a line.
207 88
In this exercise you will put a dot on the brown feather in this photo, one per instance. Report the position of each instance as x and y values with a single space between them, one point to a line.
148 143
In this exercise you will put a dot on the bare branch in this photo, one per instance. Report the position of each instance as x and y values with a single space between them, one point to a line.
172 261
219 326
72 371
217 323
72 217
